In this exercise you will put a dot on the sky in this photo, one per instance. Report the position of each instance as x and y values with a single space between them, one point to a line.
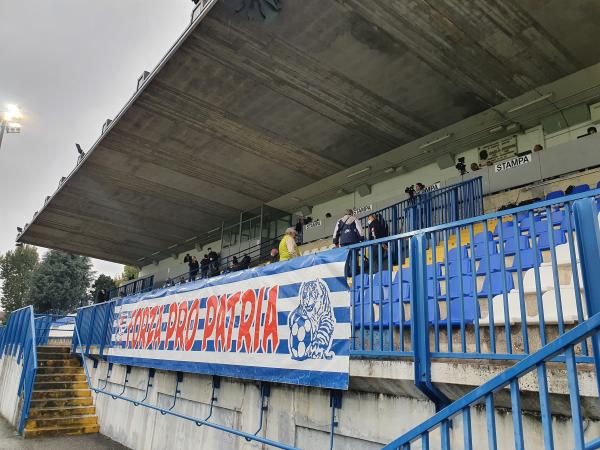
70 65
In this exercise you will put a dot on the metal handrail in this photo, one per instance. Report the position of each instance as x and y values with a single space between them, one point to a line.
163 411
564 344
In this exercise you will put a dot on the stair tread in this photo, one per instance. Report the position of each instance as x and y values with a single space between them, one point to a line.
59 408
62 428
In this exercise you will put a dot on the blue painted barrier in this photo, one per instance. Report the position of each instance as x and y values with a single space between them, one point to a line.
18 341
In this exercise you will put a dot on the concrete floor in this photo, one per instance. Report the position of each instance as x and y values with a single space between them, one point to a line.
10 440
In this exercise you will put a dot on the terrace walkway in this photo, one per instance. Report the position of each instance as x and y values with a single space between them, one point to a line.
9 439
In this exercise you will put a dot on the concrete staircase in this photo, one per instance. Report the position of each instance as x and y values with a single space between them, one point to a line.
61 403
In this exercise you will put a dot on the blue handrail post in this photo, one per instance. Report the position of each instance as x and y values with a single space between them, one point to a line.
588 241
335 402
420 327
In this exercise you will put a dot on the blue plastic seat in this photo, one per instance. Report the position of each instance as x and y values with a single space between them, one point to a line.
495 263
525 224
456 309
385 278
544 239
580 188
482 237
480 249
434 271
554 194
528 260
455 269
493 285
458 253
453 287
507 228
510 246
557 217
432 306
406 290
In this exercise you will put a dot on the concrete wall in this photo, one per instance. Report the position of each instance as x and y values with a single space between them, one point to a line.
381 405
10 375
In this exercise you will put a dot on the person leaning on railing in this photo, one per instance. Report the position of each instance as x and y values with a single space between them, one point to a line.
288 248
347 232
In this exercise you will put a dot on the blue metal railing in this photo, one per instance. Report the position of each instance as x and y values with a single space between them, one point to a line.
563 347
18 341
497 286
427 209
53 325
144 284
95 323
170 411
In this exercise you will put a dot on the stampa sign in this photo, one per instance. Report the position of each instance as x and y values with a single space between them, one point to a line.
510 163
287 322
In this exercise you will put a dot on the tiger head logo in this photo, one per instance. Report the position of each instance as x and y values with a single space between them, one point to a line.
312 323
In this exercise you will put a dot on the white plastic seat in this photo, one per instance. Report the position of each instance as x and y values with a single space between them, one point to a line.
514 310
569 306
546 280
563 255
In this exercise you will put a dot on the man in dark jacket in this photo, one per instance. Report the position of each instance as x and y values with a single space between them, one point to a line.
347 232
194 266
204 263
245 262
213 262
377 229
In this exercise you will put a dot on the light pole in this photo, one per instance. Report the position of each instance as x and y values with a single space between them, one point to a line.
10 121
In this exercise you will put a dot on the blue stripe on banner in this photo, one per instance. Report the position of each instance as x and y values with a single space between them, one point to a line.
331 380
303 262
339 346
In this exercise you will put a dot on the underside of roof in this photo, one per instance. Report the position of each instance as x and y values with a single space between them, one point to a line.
246 109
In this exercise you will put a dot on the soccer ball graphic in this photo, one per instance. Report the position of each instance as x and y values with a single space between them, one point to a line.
300 338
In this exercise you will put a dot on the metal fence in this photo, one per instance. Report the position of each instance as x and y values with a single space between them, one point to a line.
18 341
452 427
95 325
427 209
144 284
495 287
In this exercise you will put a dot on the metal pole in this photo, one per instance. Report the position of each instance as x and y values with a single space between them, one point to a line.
240 233
2 127
260 229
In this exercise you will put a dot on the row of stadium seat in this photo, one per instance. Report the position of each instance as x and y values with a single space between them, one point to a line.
466 286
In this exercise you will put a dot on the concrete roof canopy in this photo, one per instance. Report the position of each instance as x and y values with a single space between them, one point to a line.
259 99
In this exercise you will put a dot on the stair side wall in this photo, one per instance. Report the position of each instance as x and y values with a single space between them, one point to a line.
10 375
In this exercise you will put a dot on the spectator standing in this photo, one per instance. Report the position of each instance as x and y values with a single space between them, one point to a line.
102 296
377 229
347 232
245 262
194 266
274 255
288 248
213 262
204 263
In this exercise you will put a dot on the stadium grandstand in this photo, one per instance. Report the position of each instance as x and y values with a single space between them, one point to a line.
471 322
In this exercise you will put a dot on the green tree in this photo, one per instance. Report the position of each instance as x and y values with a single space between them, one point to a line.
16 269
129 273
61 283
102 282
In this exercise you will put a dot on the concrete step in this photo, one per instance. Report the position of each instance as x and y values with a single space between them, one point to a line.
58 431
54 355
42 349
51 385
71 362
60 411
60 393
58 370
65 402
60 376
61 422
